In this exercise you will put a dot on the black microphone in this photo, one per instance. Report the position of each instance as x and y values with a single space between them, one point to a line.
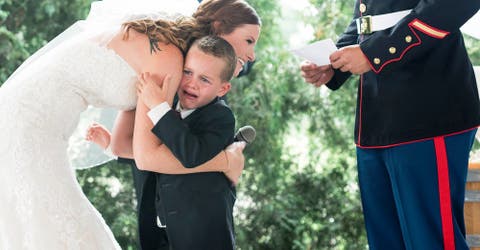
246 134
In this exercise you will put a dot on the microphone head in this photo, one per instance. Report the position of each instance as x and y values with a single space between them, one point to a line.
246 134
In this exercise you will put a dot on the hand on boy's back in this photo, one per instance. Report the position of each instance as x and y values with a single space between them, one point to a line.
235 160
152 90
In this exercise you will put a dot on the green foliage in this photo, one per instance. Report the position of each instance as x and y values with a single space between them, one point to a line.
25 26
299 188
110 189
304 200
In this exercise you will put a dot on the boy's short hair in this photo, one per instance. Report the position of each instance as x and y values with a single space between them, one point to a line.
218 47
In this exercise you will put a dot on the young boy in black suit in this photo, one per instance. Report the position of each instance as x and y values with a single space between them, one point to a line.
195 209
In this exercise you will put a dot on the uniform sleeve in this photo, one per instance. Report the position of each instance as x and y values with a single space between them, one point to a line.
348 37
429 23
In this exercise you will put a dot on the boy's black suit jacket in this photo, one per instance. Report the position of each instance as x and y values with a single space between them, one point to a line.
200 136
195 140
217 117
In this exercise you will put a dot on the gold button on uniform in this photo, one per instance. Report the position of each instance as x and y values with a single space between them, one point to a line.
363 8
392 50
376 60
408 39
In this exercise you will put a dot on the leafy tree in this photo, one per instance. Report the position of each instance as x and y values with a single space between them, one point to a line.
299 188
25 26
295 201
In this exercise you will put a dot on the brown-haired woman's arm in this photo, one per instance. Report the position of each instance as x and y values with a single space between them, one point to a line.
122 134
150 154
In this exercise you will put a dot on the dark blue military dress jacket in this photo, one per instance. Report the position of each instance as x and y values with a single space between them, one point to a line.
422 83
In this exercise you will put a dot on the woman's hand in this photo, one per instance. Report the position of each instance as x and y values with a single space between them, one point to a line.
99 135
236 161
316 75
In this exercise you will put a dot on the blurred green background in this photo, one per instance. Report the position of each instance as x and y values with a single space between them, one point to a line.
299 188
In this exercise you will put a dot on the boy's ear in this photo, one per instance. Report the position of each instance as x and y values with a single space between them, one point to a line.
226 86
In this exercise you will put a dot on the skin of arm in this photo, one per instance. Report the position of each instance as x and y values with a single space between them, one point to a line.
99 135
153 156
122 134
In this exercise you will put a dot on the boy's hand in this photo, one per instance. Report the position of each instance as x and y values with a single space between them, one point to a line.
152 92
99 135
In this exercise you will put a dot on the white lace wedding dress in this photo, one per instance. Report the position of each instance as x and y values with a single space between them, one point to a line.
42 205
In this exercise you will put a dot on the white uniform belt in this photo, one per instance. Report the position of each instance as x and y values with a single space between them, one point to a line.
369 24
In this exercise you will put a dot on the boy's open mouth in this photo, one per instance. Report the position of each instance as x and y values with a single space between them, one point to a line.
189 94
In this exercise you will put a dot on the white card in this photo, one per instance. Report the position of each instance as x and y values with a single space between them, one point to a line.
472 27
317 52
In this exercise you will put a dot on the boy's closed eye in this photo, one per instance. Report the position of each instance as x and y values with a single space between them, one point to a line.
205 80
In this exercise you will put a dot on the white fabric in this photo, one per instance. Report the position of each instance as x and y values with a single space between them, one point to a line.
385 21
472 27
183 112
158 112
119 11
42 205
161 109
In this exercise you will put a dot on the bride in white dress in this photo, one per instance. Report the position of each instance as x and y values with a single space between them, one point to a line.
42 205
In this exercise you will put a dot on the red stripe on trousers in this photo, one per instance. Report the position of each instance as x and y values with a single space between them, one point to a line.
444 193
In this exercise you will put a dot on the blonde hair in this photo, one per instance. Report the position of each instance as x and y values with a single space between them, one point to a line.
213 17
176 32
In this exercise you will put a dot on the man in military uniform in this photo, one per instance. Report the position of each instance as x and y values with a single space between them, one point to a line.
417 114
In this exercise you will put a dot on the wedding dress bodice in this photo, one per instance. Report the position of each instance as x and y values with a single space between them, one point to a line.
43 207
58 87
